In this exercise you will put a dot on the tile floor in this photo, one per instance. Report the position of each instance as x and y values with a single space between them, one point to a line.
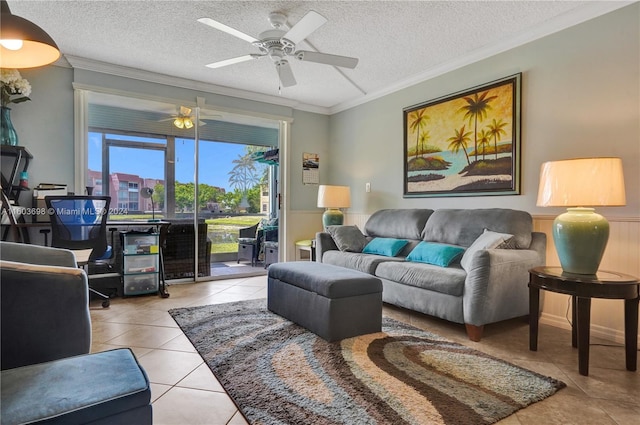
184 391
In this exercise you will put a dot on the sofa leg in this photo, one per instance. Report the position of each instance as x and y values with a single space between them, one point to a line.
474 332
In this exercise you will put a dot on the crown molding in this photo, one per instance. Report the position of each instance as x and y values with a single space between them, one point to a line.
152 77
557 24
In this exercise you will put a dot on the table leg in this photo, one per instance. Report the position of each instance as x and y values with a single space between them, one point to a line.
574 322
584 318
631 333
534 308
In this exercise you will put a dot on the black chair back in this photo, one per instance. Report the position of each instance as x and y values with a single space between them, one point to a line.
79 222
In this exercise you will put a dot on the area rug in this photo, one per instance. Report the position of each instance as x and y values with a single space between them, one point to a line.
279 373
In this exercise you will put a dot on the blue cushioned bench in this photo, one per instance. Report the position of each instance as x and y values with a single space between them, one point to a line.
333 302
103 388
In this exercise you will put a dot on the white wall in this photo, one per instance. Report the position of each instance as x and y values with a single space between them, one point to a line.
45 126
580 98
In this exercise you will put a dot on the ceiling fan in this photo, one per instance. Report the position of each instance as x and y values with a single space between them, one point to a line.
278 44
183 118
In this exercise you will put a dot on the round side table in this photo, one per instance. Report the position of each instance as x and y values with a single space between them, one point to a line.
582 288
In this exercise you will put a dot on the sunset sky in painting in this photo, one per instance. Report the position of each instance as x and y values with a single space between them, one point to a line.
444 118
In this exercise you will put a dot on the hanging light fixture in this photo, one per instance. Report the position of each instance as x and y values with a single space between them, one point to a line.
23 44
178 122
183 122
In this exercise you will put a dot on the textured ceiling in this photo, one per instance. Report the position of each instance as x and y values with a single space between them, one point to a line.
396 41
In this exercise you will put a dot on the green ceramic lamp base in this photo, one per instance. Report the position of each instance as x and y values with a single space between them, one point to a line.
580 236
332 217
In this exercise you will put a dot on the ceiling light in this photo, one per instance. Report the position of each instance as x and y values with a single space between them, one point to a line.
187 122
178 122
23 44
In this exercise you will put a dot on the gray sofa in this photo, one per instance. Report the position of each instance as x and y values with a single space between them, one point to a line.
482 286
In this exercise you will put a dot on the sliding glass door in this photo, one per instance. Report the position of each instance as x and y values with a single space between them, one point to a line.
210 177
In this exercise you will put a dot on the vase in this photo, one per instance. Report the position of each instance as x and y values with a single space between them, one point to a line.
8 135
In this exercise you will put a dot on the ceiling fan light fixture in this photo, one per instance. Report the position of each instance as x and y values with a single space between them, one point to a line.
23 44
187 122
178 122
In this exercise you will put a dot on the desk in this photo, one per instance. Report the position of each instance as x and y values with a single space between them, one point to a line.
582 288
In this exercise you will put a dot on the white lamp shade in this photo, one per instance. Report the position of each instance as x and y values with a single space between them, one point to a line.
586 182
334 196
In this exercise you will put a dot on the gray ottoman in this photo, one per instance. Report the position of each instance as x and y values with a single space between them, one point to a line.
332 302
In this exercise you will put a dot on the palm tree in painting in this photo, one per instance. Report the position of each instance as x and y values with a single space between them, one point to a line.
417 121
424 137
476 108
459 141
496 130
483 142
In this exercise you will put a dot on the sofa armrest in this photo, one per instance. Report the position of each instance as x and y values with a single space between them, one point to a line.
324 243
44 313
35 254
496 287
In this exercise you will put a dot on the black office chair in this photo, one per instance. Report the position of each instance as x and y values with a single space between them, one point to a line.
80 223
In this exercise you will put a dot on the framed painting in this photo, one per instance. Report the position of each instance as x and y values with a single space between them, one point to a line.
465 144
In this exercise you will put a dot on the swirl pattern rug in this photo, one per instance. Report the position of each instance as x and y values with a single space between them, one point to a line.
280 373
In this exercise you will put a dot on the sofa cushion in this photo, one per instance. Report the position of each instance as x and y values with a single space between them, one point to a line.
487 240
446 280
437 254
388 247
347 238
397 223
462 227
366 263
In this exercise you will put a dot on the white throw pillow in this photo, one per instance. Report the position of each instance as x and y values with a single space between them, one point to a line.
487 240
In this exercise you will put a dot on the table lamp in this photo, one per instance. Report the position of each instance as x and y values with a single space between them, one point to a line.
333 198
580 234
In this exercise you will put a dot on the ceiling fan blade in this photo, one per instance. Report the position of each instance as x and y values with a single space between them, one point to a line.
232 61
232 31
325 58
305 26
285 73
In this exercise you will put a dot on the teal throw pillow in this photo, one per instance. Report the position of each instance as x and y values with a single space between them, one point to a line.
437 254
388 247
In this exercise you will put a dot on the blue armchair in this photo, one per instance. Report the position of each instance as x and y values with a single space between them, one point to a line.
47 374
44 305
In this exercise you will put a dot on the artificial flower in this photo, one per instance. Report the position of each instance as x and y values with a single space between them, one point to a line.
13 84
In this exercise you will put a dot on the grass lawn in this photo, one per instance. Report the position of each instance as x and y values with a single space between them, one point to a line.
223 231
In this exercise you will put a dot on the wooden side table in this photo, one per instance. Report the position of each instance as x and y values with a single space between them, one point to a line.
582 288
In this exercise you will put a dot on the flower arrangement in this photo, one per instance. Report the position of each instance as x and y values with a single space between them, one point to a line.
13 84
